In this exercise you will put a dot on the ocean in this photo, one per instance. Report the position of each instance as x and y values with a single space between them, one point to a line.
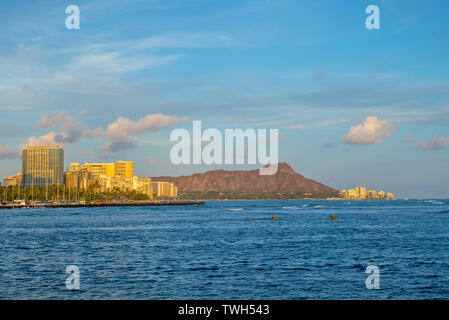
229 250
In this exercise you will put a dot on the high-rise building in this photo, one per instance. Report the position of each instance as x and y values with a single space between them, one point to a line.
165 189
79 178
98 169
125 169
42 166
362 193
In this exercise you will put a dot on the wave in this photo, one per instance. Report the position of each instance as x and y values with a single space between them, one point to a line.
290 208
237 209
319 207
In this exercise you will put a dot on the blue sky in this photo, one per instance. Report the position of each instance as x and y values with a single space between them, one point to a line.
308 68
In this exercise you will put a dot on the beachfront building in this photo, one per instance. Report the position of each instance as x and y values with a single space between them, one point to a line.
116 176
165 189
42 166
78 178
124 169
99 169
15 180
141 185
360 193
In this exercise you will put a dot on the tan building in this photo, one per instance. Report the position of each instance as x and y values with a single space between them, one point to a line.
74 166
165 189
79 178
360 193
142 185
98 169
118 175
42 166
124 169
13 180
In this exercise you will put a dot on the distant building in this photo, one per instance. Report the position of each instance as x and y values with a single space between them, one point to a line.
116 176
165 189
124 169
360 193
78 178
13 180
42 166
99 169
141 185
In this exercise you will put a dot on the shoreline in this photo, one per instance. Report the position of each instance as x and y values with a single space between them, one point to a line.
104 204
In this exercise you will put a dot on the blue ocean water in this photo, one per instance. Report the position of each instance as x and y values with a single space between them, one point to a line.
217 251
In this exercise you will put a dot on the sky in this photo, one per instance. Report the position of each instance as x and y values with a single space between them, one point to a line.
353 106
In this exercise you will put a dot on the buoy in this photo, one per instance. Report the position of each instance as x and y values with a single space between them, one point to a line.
274 218
334 217
253 219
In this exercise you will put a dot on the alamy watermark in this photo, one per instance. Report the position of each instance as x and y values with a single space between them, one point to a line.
189 149
72 282
373 20
373 280
73 20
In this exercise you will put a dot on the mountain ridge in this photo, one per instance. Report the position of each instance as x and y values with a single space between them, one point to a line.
284 180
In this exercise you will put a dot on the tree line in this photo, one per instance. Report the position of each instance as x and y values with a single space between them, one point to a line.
56 193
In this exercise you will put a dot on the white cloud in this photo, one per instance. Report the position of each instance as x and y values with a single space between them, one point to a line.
69 131
5 153
437 143
62 118
371 131
48 139
100 64
124 127
121 129
9 155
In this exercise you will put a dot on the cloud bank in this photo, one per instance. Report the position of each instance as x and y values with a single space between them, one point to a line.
123 128
437 143
371 131
5 153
